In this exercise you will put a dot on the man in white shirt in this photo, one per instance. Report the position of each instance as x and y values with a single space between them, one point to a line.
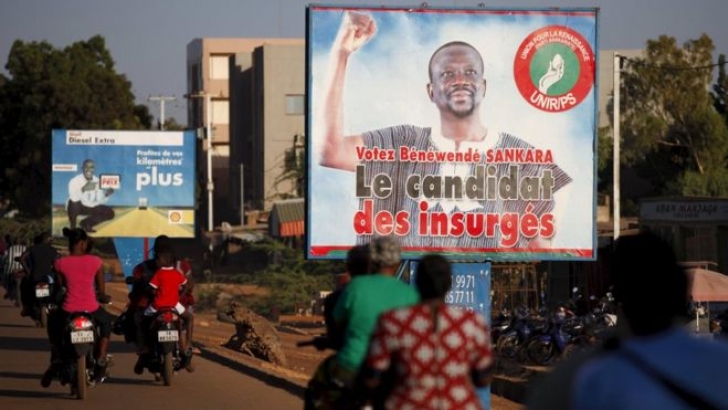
86 197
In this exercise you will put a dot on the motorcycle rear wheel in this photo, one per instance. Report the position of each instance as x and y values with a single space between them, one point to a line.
168 369
80 384
43 317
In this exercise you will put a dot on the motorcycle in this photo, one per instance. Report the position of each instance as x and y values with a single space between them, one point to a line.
518 332
718 326
499 325
324 393
43 304
558 340
162 338
77 355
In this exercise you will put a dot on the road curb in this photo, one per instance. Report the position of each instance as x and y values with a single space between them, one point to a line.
250 366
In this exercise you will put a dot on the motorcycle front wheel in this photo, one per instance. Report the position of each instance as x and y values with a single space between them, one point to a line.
507 345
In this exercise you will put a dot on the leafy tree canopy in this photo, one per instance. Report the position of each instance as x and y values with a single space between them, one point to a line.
76 87
671 131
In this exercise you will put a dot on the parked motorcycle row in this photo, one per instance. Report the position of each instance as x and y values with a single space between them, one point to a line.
543 337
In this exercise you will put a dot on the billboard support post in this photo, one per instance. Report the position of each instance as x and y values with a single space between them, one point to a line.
615 138
208 148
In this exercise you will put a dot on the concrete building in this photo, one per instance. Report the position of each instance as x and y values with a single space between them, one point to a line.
268 96
208 73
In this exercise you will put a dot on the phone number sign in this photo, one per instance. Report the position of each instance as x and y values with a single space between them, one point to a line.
470 286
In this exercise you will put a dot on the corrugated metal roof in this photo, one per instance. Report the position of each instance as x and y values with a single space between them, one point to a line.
289 210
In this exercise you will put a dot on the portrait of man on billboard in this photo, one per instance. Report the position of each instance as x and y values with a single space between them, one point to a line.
87 197
491 189
467 131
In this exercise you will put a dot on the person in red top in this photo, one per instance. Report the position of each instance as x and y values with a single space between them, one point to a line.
81 273
168 283
439 353
139 296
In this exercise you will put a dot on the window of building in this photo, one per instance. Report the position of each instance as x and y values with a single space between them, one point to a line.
220 111
219 67
294 104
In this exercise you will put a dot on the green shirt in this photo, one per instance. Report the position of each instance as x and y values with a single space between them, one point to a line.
363 300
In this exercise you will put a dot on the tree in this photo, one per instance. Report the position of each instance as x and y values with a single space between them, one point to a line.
171 124
73 88
671 133
720 89
293 170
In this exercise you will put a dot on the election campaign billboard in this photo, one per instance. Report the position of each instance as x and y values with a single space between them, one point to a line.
136 184
470 132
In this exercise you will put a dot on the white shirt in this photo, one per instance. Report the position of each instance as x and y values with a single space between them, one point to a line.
89 198
461 170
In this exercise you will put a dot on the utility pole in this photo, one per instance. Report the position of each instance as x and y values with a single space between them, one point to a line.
615 147
161 99
208 137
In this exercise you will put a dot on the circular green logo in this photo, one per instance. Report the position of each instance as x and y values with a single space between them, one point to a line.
548 60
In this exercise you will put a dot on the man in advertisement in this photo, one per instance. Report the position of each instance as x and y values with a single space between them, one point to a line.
462 185
86 197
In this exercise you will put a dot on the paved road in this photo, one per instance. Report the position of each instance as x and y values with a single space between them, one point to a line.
24 355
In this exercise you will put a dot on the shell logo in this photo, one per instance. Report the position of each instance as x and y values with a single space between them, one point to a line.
174 217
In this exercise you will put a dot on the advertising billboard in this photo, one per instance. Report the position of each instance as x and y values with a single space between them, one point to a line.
470 132
134 184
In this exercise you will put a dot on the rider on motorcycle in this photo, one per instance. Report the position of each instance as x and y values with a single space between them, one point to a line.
140 297
38 262
82 275
166 284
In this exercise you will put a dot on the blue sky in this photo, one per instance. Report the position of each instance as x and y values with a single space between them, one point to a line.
148 38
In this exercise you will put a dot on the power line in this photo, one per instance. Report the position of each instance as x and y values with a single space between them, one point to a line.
672 68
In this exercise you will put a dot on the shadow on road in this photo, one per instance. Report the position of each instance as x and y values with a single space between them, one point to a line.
18 375
17 326
32 394
125 381
25 343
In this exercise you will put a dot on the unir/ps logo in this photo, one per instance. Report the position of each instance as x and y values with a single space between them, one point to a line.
554 68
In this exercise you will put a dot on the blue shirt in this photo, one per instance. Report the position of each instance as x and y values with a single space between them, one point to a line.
613 381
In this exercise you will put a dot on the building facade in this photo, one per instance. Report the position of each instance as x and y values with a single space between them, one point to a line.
208 73
268 99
